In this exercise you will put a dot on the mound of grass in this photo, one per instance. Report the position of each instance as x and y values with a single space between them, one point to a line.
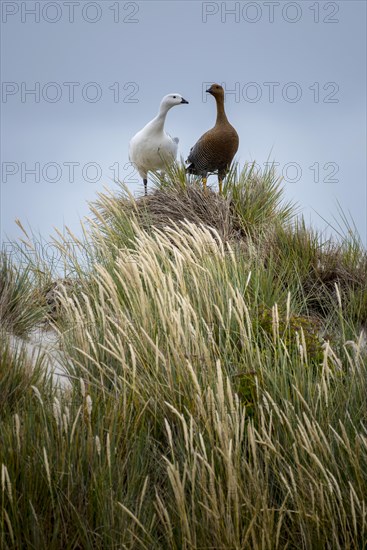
218 373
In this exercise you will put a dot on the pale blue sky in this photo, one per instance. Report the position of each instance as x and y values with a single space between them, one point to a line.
154 48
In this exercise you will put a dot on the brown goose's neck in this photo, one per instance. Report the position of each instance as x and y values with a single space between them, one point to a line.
221 114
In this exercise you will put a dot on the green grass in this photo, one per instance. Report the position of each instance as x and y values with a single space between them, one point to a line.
22 306
218 382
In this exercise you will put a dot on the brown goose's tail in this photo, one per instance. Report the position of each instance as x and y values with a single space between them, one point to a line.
191 169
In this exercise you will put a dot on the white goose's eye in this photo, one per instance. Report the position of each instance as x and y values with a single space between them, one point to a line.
174 97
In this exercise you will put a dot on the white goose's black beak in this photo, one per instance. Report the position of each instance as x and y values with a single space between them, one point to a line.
184 101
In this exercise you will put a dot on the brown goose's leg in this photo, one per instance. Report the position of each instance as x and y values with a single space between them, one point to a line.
145 186
204 186
221 176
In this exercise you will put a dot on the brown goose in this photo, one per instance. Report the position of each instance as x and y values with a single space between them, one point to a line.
215 150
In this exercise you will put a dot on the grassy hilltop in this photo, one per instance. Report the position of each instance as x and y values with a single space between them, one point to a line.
217 358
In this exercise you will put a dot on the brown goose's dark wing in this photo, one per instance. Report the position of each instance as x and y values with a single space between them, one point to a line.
200 156
213 151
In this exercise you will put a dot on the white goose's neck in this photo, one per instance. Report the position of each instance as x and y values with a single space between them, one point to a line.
160 119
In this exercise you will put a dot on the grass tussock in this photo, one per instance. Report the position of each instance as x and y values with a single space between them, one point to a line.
21 304
218 371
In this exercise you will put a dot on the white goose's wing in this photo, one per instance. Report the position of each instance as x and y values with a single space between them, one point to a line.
171 144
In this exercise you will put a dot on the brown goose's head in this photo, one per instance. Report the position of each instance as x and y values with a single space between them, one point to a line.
216 90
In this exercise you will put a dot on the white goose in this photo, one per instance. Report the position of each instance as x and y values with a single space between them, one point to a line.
152 148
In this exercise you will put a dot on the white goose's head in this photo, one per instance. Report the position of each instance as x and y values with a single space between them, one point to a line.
171 100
